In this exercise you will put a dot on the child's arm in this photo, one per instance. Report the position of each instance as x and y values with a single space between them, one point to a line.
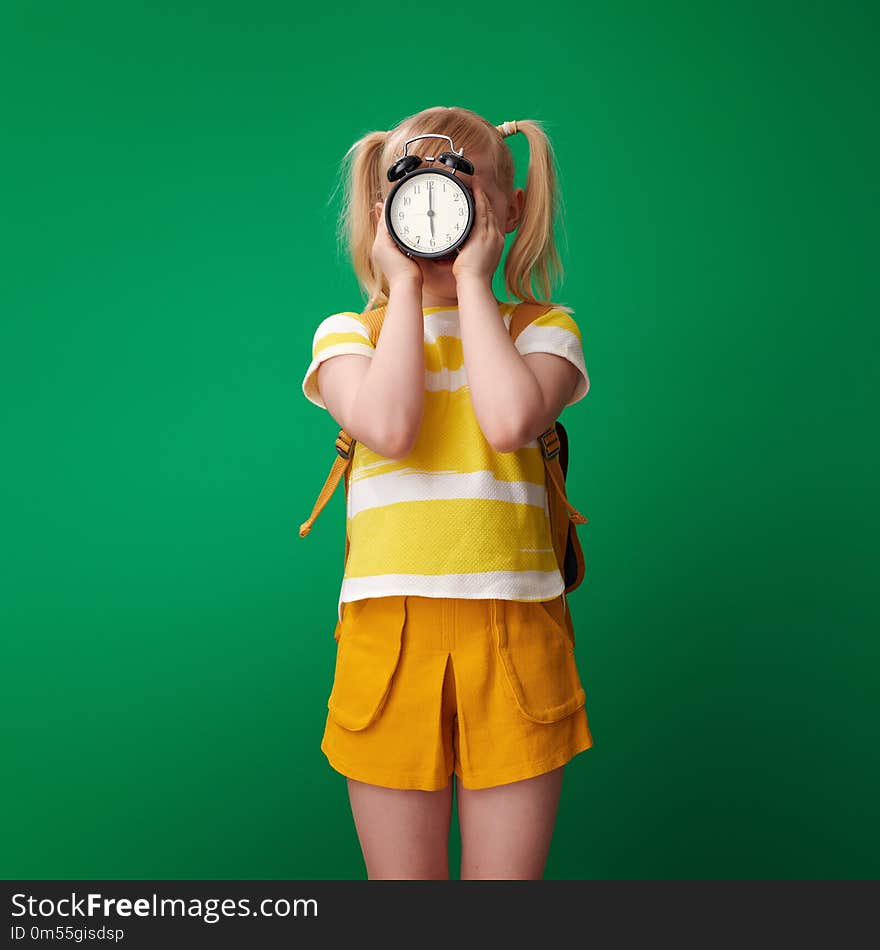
515 397
518 388
379 400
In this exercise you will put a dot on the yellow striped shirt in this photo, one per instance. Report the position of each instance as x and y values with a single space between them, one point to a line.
454 518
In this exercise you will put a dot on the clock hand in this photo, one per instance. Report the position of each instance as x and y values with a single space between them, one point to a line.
431 208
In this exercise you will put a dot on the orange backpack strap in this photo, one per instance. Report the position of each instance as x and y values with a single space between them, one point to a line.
523 315
344 442
374 319
344 448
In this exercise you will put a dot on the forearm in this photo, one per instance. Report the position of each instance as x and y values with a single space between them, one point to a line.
390 399
504 391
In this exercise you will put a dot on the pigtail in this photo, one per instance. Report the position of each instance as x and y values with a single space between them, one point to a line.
361 174
533 255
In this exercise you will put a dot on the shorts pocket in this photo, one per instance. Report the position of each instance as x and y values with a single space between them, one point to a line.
367 655
558 616
537 653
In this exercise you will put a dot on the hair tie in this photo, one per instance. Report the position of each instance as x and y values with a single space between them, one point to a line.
508 128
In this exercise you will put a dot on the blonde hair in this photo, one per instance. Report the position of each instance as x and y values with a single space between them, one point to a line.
532 255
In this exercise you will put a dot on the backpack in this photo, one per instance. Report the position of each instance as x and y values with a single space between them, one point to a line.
554 448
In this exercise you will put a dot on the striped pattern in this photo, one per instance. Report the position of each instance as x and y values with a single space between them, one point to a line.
454 518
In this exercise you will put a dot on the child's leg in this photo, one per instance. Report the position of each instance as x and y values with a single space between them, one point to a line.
506 829
404 833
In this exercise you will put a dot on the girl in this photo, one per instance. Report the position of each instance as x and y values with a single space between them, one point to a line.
453 655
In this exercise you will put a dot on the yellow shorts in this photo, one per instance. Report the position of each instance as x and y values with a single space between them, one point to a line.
425 686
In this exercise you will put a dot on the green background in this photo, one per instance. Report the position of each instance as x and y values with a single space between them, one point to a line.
168 250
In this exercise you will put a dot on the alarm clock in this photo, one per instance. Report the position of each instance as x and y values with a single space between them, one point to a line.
430 211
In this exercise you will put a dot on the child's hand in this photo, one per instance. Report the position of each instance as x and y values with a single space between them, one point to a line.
388 257
481 252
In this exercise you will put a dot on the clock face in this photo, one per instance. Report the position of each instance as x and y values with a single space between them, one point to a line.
430 213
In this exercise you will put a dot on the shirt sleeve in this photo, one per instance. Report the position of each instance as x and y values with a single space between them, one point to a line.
338 334
557 332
